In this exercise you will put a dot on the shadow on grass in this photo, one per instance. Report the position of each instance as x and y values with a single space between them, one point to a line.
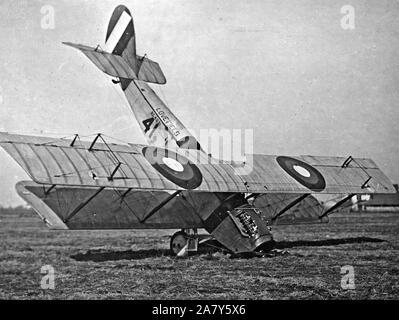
101 255
324 243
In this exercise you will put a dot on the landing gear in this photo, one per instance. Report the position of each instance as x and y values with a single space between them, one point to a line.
183 242
178 242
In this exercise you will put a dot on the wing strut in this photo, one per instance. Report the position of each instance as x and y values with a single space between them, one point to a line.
118 162
335 206
159 206
347 163
83 204
290 205
123 196
74 140
46 192
94 141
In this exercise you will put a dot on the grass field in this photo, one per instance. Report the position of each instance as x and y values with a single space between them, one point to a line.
135 264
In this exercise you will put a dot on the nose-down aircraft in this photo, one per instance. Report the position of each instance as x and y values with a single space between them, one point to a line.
172 183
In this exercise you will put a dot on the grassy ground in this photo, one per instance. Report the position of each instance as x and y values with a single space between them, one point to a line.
135 264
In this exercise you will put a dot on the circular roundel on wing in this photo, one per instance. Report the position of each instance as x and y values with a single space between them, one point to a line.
302 172
174 167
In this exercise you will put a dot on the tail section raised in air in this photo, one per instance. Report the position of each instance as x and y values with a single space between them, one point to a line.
119 59
120 38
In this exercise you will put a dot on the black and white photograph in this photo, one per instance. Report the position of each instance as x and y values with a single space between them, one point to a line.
225 151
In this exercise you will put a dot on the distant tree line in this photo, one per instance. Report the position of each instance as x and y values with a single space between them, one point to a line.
19 210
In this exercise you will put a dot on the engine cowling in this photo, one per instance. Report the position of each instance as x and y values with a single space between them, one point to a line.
240 229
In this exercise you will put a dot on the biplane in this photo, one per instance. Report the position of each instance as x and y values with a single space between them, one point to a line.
172 183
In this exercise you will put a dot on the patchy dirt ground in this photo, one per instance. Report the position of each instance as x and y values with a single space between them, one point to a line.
136 265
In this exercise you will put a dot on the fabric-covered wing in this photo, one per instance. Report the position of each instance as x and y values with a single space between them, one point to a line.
289 208
49 161
55 161
279 174
65 207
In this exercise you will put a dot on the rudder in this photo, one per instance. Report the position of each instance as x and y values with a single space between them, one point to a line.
120 38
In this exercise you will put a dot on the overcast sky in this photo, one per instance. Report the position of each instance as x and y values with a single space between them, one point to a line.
286 69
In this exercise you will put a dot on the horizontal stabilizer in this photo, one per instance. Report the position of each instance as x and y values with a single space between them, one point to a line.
108 63
117 66
150 71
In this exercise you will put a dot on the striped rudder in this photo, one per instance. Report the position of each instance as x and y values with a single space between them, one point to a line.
120 37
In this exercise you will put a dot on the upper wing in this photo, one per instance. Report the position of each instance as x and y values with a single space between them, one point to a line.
317 174
61 162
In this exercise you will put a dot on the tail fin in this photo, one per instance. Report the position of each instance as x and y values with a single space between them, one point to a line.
120 38
119 58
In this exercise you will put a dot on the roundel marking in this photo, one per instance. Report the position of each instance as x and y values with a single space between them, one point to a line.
303 172
173 164
174 167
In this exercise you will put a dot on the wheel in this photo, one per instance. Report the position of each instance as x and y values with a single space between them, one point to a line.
178 241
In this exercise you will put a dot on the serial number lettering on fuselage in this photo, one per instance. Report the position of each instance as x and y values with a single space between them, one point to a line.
166 120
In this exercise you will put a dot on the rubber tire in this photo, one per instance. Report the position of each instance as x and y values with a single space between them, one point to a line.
172 239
